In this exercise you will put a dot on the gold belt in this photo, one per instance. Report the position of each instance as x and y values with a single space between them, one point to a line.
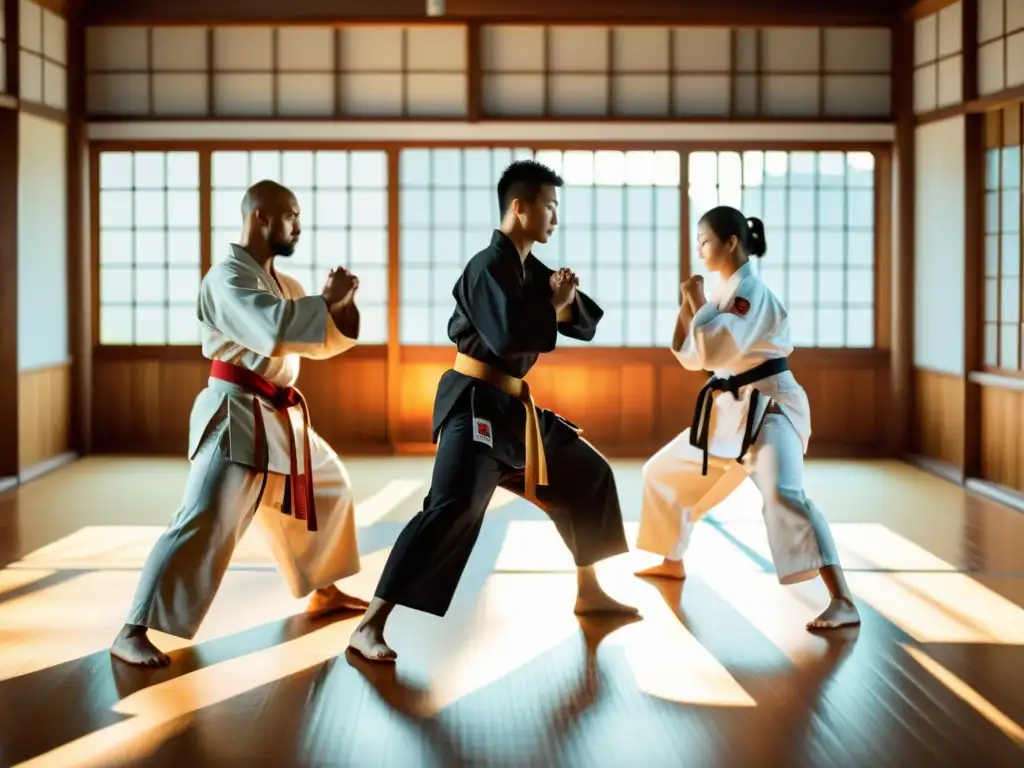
536 472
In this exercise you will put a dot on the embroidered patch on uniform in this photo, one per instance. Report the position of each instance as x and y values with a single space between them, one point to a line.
740 306
482 432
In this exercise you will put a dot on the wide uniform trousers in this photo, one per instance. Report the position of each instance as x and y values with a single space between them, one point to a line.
430 555
186 566
676 496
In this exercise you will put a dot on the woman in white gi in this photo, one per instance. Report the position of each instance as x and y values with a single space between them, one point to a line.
762 417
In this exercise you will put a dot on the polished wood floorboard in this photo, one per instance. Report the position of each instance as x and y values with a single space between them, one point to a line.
719 672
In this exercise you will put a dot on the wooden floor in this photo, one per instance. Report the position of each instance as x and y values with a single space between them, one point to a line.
718 673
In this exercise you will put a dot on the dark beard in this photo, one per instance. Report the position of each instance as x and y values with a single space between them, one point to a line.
281 249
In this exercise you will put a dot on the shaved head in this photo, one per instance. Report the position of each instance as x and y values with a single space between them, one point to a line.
271 213
265 195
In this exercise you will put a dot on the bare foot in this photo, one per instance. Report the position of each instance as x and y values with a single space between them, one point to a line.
667 569
593 601
368 642
331 599
840 613
134 647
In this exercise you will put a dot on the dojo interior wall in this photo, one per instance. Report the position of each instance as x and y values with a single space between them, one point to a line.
997 382
968 401
939 265
34 87
395 87
43 345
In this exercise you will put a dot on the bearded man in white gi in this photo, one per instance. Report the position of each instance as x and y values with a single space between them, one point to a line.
253 453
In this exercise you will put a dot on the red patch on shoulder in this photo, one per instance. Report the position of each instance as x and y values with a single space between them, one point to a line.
740 306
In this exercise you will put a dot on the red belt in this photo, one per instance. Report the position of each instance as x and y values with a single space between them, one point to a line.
281 398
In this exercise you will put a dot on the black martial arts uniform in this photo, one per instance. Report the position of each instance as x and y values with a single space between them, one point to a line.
504 318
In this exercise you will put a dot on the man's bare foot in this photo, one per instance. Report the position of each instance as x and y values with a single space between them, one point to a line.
667 569
593 601
368 642
841 612
134 647
331 599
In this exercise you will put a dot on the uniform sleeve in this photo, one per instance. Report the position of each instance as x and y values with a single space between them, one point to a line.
577 321
269 326
507 321
580 318
718 340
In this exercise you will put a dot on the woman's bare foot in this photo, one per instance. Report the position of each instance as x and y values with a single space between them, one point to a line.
134 647
331 599
368 642
841 612
667 569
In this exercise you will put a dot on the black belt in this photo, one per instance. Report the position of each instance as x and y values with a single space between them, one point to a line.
705 400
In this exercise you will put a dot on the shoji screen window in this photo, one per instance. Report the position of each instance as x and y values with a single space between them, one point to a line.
343 202
619 231
449 211
149 247
818 210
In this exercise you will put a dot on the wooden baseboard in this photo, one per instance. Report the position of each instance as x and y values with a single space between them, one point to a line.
37 470
936 467
46 467
1001 494
1010 497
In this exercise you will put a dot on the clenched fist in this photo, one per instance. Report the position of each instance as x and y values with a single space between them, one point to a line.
563 288
340 287
692 291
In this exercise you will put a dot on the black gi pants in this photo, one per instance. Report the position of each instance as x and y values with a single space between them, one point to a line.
431 552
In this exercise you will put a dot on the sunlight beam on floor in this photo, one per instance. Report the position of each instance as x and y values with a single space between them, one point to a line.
12 579
385 501
160 704
941 607
983 706
517 619
669 663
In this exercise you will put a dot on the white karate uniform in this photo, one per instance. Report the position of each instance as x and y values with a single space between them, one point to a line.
742 325
251 320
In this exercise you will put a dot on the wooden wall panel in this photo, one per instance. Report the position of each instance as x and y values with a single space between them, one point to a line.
1002 440
629 405
44 413
143 405
632 408
939 416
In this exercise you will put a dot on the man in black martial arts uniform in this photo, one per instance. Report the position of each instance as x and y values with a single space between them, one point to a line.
509 309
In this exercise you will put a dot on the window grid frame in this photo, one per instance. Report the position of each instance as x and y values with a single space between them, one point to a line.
843 230
998 126
514 149
43 57
431 227
132 265
205 148
596 229
338 73
218 247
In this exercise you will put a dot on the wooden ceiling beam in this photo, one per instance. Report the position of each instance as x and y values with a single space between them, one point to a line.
923 8
732 13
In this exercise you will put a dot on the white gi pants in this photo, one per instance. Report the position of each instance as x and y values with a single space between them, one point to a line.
676 496
188 562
